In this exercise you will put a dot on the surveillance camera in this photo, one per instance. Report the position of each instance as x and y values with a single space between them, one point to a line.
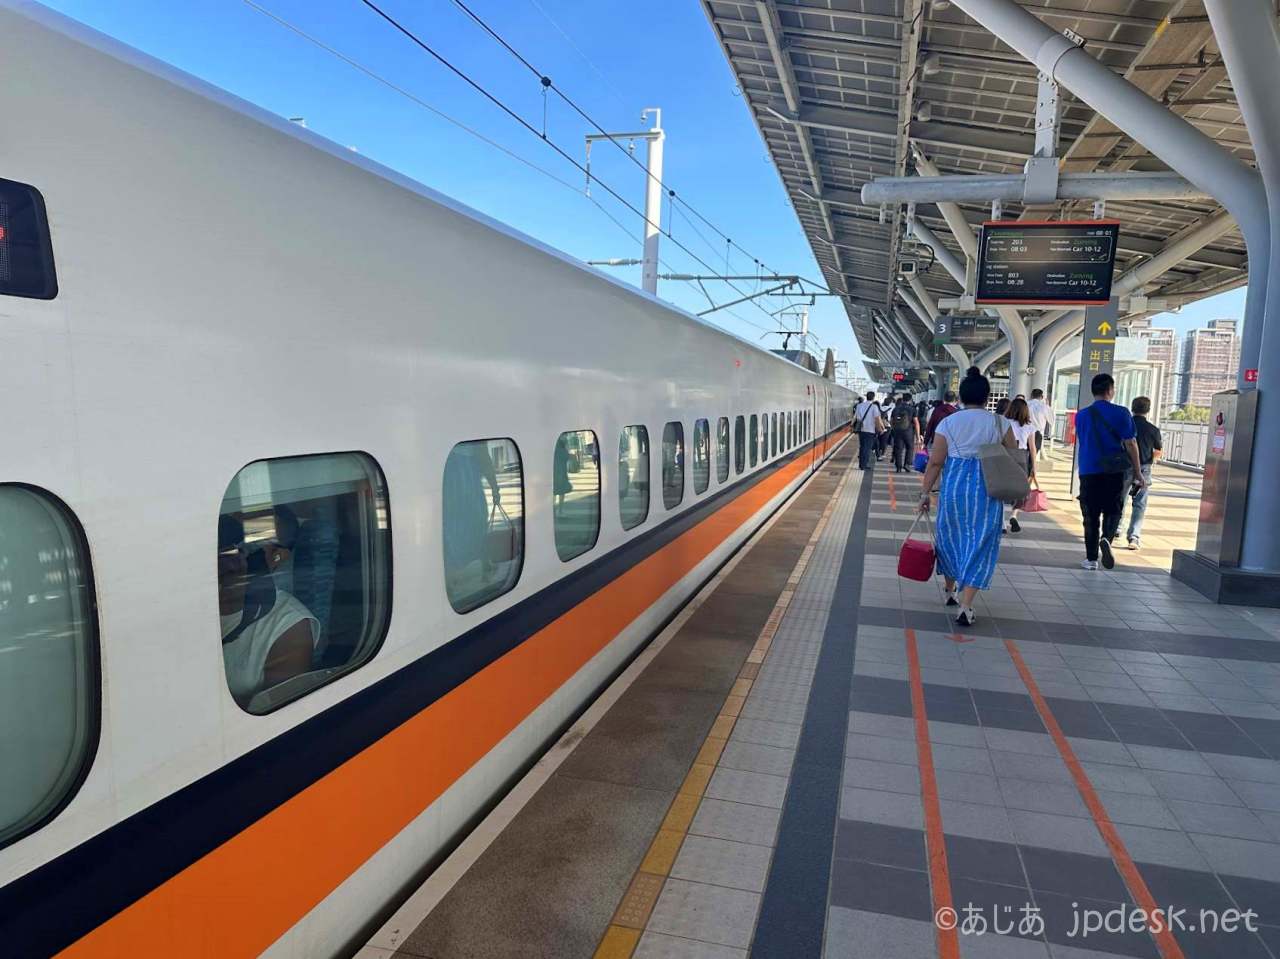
907 267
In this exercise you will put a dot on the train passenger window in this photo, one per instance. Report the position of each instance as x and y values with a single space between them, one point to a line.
774 440
26 255
701 456
633 476
764 437
754 431
49 667
575 483
304 574
739 444
672 464
483 514
722 449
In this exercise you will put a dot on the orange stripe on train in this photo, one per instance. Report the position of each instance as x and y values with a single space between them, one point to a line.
247 893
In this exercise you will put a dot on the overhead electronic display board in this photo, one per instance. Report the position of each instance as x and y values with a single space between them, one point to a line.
1034 263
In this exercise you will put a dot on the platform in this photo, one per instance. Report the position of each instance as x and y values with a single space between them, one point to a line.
811 762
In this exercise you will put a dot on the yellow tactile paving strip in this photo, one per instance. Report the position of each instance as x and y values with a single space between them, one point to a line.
624 930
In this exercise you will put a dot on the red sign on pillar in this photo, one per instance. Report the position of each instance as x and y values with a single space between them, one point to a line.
1251 376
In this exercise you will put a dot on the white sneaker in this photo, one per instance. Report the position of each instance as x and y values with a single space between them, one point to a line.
967 616
1089 564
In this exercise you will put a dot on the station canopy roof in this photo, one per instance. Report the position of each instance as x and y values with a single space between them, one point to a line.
841 89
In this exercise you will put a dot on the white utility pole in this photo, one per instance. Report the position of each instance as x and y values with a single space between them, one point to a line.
653 138
652 201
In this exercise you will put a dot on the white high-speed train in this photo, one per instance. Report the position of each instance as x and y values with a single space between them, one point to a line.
324 504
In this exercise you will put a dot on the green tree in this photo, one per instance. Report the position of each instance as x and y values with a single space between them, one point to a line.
1190 414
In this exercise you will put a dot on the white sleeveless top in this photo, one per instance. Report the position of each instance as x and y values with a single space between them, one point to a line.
967 430
245 657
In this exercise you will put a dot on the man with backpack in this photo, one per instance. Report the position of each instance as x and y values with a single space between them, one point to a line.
1106 448
903 424
867 420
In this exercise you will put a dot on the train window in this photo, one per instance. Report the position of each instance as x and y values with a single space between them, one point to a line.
633 476
672 465
49 672
304 574
739 444
26 255
483 514
754 431
575 482
764 437
701 456
722 449
774 441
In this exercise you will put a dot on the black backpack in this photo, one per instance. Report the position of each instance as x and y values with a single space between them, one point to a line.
900 419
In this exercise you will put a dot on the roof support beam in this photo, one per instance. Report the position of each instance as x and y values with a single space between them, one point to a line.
1010 186
786 76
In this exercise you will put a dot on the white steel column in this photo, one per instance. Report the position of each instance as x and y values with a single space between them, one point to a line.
1010 319
1171 138
1247 35
652 202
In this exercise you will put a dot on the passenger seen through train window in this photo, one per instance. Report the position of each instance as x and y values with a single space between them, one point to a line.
304 574
267 635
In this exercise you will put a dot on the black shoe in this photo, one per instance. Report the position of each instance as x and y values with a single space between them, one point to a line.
966 618
1014 525
951 600
1108 560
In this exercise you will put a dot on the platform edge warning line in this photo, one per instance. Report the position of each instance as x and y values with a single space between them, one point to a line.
935 841
1165 942
622 935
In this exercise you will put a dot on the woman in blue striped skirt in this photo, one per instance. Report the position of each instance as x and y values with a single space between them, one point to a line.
969 521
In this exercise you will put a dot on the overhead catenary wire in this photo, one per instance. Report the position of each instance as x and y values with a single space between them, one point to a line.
431 108
546 84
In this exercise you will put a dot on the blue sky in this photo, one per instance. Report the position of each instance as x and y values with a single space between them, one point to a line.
612 57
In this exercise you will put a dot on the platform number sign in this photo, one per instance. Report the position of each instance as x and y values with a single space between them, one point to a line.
942 329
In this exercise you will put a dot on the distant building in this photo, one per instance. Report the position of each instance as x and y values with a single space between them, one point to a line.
1162 347
1210 362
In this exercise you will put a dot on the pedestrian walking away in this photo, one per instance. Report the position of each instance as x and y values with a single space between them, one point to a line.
940 413
1150 449
902 423
870 426
882 438
1042 416
1018 416
969 520
1107 448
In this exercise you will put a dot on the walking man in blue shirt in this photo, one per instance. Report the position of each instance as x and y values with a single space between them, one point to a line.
1107 450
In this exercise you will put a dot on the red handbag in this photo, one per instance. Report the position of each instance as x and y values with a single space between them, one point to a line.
916 559
1036 501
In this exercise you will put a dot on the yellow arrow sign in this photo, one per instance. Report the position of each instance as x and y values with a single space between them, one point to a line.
1104 327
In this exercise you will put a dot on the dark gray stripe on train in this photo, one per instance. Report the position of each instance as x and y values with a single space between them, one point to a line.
51 907
793 909
1081 718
